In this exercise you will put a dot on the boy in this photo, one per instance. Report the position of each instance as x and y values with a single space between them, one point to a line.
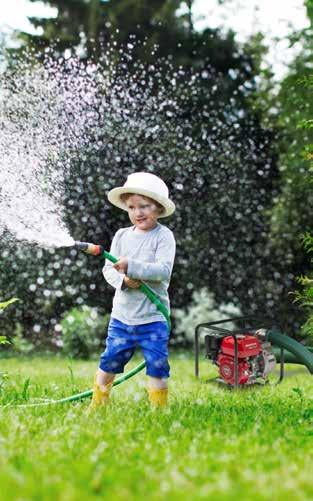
146 253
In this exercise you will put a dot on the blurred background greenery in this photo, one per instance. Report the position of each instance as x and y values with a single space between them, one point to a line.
244 200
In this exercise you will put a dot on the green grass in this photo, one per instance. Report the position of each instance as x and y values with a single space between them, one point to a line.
210 443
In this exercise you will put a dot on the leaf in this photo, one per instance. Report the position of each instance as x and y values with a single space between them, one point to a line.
7 303
305 124
4 340
298 392
25 389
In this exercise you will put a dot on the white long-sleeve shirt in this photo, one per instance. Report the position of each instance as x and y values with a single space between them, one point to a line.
150 259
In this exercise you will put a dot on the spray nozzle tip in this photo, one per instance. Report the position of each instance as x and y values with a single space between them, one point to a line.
94 250
81 245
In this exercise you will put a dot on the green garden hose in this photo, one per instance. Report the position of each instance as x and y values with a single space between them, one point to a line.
84 394
296 352
98 250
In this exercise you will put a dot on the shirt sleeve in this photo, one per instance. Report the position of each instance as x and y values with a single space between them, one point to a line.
159 270
111 275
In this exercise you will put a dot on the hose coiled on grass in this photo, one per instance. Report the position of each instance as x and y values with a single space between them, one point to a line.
98 250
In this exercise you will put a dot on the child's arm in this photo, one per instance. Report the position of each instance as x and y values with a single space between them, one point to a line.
111 275
156 271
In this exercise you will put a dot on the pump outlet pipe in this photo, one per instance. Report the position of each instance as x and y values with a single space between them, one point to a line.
289 358
301 354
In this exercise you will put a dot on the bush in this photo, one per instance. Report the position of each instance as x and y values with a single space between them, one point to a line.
5 304
305 296
21 345
203 308
83 331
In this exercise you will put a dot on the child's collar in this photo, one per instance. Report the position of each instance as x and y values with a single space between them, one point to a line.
142 232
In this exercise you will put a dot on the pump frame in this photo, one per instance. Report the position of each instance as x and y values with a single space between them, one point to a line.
221 332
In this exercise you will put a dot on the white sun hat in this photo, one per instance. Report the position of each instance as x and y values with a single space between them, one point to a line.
146 184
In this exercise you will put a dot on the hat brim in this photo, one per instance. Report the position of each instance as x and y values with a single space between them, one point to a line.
115 194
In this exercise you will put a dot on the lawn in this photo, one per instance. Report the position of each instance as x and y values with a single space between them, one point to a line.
210 443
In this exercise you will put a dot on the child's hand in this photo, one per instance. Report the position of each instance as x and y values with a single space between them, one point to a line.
121 265
132 283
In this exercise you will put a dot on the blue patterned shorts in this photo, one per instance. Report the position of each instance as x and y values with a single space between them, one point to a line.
123 339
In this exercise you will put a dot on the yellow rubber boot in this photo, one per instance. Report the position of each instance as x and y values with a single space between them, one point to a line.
157 396
100 395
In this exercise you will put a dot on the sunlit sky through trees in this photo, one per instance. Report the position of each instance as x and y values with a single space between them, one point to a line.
245 17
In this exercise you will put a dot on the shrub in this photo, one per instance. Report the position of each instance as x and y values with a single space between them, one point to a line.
3 339
83 331
203 308
305 296
21 345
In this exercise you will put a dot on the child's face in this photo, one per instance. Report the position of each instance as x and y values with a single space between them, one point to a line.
142 212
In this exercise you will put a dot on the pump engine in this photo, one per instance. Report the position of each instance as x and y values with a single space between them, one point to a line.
254 358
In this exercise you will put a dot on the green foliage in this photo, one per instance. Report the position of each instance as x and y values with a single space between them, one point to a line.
3 305
305 297
211 148
209 444
83 28
202 308
83 331
3 379
292 211
21 345
305 124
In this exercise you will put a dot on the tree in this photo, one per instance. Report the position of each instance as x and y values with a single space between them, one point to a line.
305 296
181 110
292 211
86 28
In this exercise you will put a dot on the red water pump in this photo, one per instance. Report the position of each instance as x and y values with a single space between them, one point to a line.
243 357
254 359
